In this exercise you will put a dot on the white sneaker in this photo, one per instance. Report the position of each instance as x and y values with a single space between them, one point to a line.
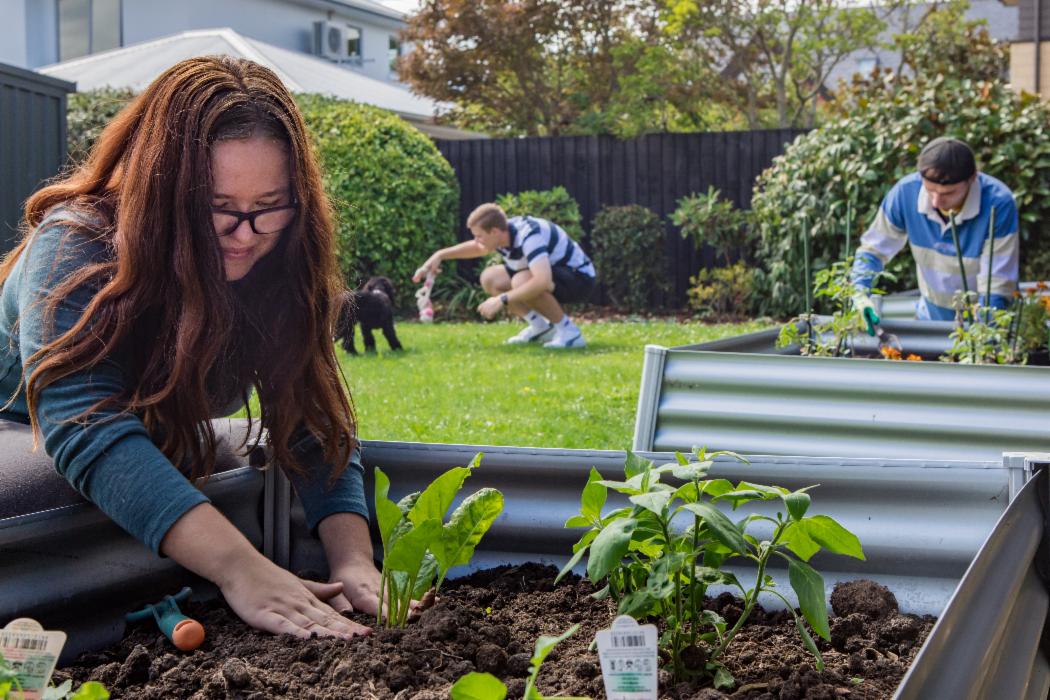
571 338
530 334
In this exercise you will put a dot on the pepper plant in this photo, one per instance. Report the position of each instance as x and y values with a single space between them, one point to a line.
419 548
485 686
653 568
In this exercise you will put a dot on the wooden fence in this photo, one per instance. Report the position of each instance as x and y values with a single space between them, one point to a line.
655 171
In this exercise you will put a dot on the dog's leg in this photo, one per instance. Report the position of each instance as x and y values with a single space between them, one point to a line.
391 335
370 340
348 339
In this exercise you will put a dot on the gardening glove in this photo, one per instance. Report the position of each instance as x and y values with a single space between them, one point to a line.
866 310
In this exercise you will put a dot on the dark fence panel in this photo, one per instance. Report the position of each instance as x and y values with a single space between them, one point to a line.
654 170
32 140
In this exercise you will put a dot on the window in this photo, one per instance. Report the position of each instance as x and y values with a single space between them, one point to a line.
867 64
353 42
87 26
393 52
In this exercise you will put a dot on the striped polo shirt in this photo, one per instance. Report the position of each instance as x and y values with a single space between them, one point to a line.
906 216
532 238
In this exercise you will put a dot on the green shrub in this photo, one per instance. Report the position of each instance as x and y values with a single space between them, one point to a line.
722 293
396 197
840 172
87 114
628 252
708 219
555 205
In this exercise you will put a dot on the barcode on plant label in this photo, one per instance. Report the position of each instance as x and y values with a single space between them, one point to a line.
24 641
628 640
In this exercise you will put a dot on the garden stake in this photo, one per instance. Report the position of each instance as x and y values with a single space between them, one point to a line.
991 258
958 254
184 633
809 300
849 222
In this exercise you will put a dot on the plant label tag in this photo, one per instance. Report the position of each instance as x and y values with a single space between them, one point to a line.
627 652
33 653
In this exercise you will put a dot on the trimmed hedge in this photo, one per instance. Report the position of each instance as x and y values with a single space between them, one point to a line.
626 241
396 197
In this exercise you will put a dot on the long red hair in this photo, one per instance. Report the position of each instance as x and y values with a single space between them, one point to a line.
184 334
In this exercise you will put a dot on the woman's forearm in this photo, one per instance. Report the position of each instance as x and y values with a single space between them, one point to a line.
208 544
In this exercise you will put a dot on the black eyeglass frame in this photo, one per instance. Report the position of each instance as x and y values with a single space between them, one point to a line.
250 216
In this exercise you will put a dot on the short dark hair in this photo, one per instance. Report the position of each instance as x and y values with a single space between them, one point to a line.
947 161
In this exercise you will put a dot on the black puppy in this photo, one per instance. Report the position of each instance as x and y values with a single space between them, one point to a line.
372 304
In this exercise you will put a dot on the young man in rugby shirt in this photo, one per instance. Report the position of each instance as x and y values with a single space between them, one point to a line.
542 269
918 211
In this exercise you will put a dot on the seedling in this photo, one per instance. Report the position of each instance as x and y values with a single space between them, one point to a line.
485 686
419 548
653 569
831 337
11 689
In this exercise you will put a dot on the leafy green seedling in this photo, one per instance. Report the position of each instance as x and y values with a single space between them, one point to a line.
8 678
654 569
419 548
88 691
485 686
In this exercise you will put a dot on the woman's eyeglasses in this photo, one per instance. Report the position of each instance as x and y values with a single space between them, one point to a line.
262 221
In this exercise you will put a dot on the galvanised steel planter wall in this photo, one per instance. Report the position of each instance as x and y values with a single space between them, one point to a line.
988 642
743 394
920 521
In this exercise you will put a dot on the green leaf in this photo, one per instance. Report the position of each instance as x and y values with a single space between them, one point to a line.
464 530
436 498
809 587
578 521
479 686
594 494
720 527
428 572
724 679
388 515
826 532
635 465
406 554
544 644
92 690
571 564
797 504
636 603
654 501
694 471
609 548
808 642
796 539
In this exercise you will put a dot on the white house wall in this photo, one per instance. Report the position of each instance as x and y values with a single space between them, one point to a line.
13 52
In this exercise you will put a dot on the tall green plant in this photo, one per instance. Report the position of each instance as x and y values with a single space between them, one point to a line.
708 219
652 568
419 548
851 162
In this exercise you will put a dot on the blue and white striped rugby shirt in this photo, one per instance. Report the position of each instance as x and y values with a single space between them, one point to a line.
905 216
532 238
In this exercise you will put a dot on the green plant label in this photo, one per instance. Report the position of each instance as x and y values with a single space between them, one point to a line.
32 653
627 652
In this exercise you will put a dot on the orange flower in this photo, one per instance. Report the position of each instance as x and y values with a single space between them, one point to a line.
1045 301
912 357
1016 294
890 353
1042 286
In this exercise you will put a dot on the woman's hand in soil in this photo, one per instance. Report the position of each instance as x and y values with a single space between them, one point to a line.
261 593
269 598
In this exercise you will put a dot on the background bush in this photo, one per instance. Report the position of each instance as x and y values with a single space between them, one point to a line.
850 164
396 197
722 293
555 205
709 219
626 241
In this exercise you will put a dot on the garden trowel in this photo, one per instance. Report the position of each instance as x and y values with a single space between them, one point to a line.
184 633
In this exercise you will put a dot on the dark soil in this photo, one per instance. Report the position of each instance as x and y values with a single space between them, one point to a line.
489 622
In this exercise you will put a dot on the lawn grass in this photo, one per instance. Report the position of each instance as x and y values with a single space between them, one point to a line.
459 383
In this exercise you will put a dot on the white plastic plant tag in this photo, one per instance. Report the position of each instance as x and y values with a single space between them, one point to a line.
33 653
627 652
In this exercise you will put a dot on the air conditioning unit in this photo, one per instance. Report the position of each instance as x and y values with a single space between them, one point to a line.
330 41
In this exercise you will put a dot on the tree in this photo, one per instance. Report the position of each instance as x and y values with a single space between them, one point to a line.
521 67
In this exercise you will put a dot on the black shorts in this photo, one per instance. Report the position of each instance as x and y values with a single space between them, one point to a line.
570 286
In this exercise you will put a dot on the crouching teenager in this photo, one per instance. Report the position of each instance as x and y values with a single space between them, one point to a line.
542 269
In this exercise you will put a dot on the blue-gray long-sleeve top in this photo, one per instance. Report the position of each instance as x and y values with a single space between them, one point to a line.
110 458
